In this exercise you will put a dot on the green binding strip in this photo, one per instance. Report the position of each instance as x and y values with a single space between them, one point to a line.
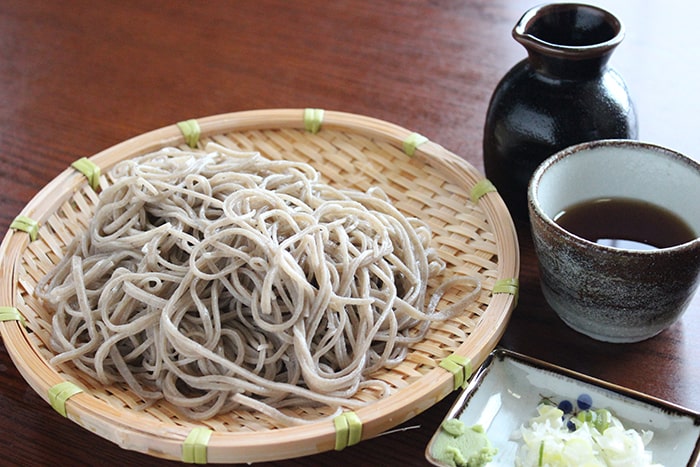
191 131
313 118
89 169
25 224
60 393
509 286
348 430
10 313
481 188
460 367
412 142
194 449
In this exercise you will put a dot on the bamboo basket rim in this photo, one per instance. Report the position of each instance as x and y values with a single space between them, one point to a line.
166 441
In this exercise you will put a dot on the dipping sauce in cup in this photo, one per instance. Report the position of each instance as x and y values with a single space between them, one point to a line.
615 226
625 223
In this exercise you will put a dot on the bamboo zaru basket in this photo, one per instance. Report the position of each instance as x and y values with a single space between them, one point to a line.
472 232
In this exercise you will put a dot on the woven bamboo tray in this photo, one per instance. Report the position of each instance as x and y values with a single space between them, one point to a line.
472 231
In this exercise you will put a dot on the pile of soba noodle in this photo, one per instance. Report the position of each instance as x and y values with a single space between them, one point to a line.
219 279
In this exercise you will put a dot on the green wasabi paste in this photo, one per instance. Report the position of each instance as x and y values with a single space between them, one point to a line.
457 445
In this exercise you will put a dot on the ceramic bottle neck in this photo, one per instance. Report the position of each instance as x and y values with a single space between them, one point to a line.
568 68
568 40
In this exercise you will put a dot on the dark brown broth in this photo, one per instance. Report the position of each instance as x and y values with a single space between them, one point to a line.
625 223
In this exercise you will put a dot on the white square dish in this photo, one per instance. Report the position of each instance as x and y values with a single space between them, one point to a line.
505 391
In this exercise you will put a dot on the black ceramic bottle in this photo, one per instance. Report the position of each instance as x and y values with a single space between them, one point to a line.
564 93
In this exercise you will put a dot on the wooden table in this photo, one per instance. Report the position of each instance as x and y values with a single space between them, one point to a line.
79 76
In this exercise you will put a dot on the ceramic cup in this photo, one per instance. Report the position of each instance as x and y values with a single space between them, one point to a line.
608 293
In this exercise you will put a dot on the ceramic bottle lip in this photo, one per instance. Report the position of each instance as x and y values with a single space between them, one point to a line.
599 49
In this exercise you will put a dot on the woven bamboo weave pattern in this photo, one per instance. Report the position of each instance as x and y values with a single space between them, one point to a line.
420 186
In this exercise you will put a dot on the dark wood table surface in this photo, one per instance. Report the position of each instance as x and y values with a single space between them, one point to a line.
79 76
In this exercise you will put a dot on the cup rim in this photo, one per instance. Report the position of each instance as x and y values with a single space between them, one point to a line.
534 205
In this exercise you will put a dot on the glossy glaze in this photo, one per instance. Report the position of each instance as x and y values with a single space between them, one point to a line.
564 93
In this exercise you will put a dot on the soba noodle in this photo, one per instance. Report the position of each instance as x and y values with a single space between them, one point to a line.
217 279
